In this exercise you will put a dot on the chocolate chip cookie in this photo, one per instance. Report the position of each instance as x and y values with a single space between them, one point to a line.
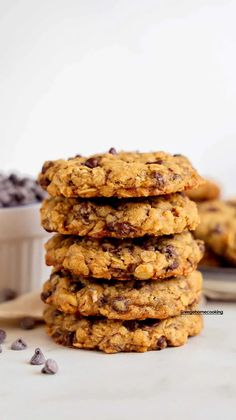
218 228
205 192
118 218
123 174
140 258
122 300
113 336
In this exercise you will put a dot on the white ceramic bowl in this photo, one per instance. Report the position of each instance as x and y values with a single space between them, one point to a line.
22 265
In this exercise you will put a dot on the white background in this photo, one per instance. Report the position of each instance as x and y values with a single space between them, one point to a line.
80 76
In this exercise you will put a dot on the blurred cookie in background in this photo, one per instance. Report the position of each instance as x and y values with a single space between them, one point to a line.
217 228
210 259
210 190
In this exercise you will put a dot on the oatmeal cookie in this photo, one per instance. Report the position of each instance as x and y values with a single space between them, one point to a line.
218 228
123 174
140 258
113 336
122 300
118 218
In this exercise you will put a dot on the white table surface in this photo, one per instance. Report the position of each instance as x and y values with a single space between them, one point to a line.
195 381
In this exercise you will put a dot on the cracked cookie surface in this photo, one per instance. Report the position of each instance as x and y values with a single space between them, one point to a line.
113 336
140 258
118 218
122 300
218 228
123 174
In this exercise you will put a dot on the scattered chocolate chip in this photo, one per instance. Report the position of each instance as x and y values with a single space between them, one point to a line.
38 358
159 179
92 162
7 294
120 304
50 367
2 336
177 155
27 323
112 151
161 343
19 344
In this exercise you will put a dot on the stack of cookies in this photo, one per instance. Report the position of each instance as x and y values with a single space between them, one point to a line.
124 260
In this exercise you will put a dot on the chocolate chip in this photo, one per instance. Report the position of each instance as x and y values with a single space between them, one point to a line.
92 162
122 228
69 339
161 343
112 151
169 251
155 162
45 182
84 211
19 344
120 304
130 325
45 295
46 166
7 294
175 176
149 322
50 367
177 155
102 301
27 323
2 336
175 212
173 266
76 286
159 179
38 357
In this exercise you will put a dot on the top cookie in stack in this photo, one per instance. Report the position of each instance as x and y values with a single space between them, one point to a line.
121 216
123 174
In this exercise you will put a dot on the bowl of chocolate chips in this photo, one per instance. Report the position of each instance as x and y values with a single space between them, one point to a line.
21 236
